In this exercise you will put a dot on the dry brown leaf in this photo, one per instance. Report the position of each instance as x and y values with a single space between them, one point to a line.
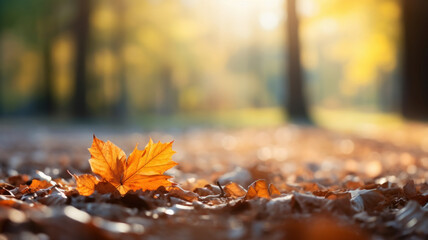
273 191
37 184
183 194
213 188
86 184
311 187
258 188
353 184
203 191
18 179
409 189
234 190
142 170
106 187
15 203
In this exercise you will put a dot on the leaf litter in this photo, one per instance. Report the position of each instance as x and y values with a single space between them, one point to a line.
286 182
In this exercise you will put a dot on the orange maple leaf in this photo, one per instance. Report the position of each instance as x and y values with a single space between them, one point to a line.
142 170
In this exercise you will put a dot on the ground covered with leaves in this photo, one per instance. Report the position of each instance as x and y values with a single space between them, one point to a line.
286 182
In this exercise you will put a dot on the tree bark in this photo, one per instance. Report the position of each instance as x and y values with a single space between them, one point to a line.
414 103
296 101
81 31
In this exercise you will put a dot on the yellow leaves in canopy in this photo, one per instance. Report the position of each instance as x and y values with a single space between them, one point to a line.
142 170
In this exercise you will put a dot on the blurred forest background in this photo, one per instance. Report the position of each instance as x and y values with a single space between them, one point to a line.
213 61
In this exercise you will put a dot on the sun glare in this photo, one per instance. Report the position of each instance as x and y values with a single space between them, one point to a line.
269 20
307 8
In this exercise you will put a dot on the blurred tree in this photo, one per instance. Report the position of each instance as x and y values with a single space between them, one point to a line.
81 31
21 41
47 18
2 7
415 82
120 106
167 102
148 56
351 54
296 100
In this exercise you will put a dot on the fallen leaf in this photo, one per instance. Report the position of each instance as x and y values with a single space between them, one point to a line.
273 191
183 194
353 184
310 187
368 200
142 170
258 188
203 191
86 184
213 188
106 187
56 197
15 203
307 203
37 184
234 190
410 189
18 179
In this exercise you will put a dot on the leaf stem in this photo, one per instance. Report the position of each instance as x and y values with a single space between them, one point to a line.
221 189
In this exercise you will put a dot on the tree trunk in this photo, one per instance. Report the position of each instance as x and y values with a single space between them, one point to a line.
120 106
48 33
296 101
415 83
2 78
81 31
47 104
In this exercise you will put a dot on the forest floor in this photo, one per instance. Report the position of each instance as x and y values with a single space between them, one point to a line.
370 185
